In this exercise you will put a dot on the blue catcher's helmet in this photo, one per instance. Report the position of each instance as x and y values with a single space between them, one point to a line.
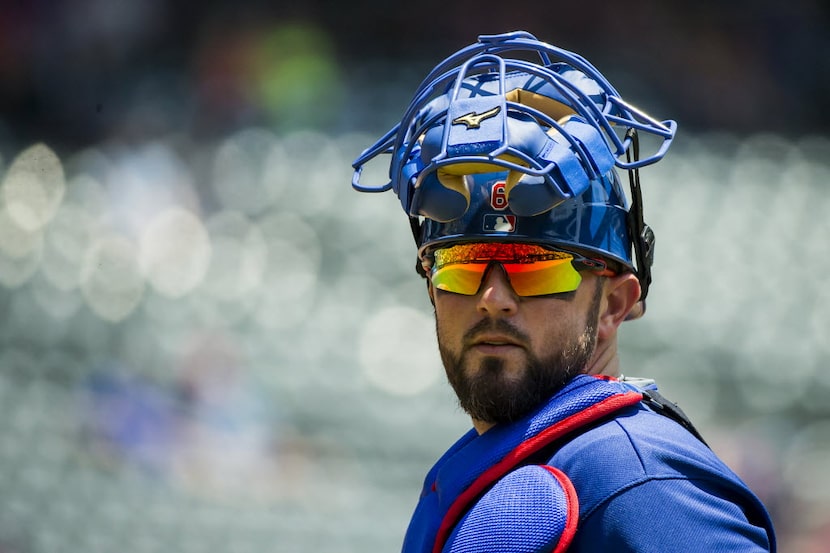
595 223
494 147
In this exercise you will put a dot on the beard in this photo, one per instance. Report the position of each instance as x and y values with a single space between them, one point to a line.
492 395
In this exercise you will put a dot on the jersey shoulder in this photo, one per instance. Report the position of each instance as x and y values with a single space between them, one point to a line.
634 447
645 481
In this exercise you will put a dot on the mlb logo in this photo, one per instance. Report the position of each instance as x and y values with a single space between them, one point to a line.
499 223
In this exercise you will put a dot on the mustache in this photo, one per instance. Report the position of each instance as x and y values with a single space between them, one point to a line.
499 326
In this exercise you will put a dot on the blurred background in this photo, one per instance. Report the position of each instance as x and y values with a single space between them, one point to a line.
209 341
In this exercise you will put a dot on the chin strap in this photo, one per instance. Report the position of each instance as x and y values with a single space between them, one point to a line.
641 234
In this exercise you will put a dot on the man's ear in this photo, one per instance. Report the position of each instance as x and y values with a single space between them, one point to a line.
621 302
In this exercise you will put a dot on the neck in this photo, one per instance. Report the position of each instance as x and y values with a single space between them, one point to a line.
605 360
482 427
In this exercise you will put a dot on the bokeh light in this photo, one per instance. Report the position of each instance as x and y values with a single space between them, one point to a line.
237 265
249 171
175 252
297 77
20 251
398 352
111 277
291 273
33 187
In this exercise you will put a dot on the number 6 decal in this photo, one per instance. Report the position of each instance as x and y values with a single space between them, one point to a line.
498 196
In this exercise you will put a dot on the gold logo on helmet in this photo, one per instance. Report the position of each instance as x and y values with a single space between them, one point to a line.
473 120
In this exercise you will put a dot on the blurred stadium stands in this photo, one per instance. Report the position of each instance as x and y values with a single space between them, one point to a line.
208 341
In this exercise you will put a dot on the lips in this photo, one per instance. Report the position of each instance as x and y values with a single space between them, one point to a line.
494 341
496 336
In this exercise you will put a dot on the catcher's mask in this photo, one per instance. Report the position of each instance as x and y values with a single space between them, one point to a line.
536 146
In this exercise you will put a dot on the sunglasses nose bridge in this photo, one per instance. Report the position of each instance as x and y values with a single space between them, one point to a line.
488 271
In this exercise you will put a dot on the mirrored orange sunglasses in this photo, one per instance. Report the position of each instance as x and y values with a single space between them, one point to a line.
532 270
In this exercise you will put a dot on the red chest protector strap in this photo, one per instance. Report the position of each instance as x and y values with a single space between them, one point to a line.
524 453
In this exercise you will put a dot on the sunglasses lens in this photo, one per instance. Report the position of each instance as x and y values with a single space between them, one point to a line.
532 270
461 279
543 277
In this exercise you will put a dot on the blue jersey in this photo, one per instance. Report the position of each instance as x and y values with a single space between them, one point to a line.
593 470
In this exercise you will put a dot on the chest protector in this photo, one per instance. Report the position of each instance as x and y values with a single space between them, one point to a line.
502 475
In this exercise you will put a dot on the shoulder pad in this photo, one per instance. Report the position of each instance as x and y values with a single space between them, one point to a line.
534 508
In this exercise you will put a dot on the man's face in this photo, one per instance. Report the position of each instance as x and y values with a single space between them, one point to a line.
505 354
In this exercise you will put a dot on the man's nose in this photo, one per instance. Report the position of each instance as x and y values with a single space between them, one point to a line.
496 296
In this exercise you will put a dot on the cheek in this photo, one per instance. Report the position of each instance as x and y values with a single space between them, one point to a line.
552 330
444 319
451 320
